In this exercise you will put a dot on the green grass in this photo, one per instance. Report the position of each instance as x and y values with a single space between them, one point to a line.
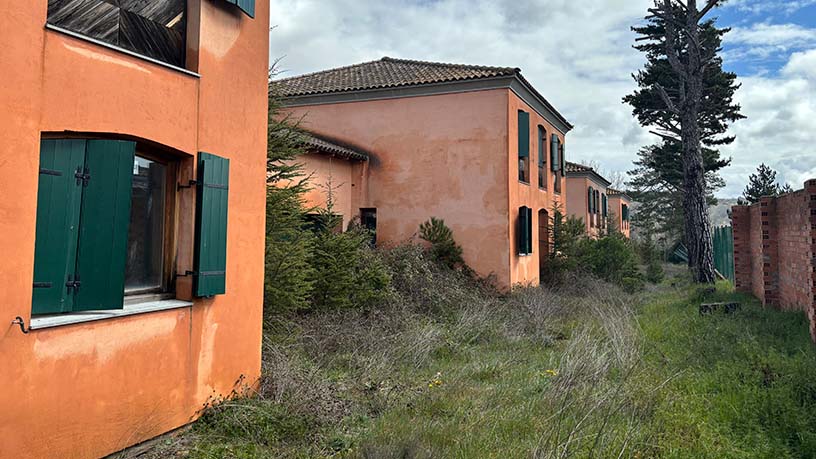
609 374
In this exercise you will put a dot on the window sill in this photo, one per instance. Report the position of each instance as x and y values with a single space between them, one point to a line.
58 320
524 183
101 43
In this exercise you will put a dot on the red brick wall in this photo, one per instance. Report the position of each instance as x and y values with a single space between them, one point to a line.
775 251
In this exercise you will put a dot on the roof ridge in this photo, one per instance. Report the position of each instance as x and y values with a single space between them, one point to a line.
448 64
333 69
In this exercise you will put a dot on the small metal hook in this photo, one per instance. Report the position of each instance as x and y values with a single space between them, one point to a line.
19 321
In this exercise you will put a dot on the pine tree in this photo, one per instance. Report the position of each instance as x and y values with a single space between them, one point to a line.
686 97
656 184
763 183
444 248
288 282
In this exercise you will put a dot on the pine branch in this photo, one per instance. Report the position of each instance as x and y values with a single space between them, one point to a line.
667 100
711 4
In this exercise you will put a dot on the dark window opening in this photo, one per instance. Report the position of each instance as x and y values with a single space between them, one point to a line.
368 218
524 146
155 28
525 231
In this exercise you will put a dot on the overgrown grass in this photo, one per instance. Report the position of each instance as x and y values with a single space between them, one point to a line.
449 368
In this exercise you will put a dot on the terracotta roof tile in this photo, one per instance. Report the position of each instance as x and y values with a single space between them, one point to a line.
384 73
324 145
575 167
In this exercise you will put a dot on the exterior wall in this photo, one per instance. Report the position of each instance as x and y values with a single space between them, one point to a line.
434 156
775 249
87 390
447 156
324 169
578 206
525 269
616 211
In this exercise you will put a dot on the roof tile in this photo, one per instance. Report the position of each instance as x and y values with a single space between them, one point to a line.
384 73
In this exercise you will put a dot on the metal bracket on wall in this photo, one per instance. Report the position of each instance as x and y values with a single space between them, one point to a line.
19 321
186 273
190 184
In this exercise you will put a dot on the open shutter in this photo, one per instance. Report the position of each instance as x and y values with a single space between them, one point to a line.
103 234
562 157
554 162
59 197
529 231
542 146
247 6
589 200
211 225
523 134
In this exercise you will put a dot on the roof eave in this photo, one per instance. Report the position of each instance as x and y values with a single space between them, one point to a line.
589 174
515 83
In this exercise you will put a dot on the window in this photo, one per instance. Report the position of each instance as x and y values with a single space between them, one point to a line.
556 165
144 268
524 231
524 146
104 225
368 218
591 206
605 209
625 215
542 157
247 6
155 28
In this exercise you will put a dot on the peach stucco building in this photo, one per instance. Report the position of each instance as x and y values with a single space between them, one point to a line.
133 274
476 146
591 199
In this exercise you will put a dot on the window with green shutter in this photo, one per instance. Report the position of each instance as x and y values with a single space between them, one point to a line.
247 6
524 146
555 163
542 157
211 225
101 232
524 231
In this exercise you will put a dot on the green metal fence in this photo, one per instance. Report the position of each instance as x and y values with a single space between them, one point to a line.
724 251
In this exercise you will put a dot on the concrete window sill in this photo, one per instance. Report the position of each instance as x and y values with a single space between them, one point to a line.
58 320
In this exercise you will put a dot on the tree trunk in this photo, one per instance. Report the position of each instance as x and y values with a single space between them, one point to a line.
698 224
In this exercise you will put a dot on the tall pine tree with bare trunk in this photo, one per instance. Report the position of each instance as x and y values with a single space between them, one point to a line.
683 106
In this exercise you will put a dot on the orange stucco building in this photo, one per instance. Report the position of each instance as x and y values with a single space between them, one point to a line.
131 295
591 199
476 146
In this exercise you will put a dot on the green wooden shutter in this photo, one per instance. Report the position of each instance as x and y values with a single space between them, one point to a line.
523 134
555 163
562 157
529 230
542 146
59 197
105 220
247 6
211 223
605 205
589 200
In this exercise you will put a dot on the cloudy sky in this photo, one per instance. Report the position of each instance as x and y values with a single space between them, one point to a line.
578 54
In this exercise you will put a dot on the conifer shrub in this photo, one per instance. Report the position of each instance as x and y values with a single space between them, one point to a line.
444 249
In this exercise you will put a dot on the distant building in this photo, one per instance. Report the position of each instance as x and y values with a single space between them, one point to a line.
591 199
476 146
132 175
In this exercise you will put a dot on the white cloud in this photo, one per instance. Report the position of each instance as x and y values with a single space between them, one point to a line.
578 54
785 7
781 125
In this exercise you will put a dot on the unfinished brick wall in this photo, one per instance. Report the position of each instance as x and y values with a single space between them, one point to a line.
775 251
